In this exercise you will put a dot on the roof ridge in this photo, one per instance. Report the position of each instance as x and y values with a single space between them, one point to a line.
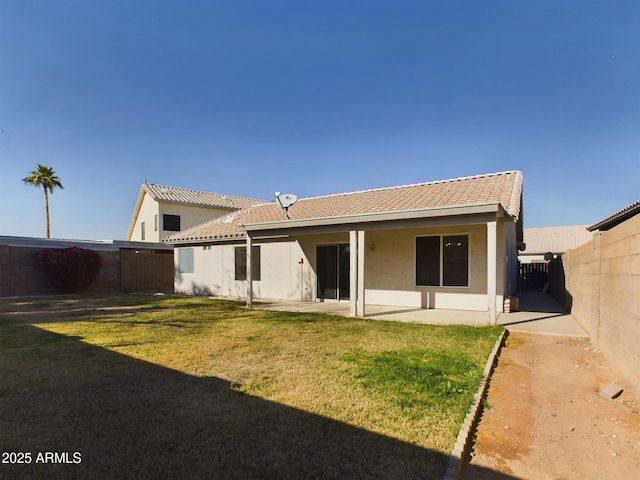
419 184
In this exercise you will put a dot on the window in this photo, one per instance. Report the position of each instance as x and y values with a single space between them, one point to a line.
241 263
442 261
155 222
185 260
142 235
428 261
455 261
171 222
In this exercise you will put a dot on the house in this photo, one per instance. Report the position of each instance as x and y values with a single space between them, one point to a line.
552 240
161 211
445 244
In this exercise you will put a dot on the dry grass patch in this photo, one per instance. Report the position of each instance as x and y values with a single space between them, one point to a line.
148 386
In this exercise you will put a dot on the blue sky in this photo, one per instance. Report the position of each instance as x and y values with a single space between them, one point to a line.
252 97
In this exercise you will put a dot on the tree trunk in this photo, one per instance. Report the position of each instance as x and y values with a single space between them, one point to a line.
46 210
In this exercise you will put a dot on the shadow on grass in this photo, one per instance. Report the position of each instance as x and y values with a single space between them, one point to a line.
91 308
132 419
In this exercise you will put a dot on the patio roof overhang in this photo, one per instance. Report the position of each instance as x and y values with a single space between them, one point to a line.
435 216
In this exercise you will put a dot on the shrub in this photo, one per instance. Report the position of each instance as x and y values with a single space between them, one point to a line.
70 269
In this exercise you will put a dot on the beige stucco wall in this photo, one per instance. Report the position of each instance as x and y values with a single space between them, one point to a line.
190 215
602 278
288 268
390 267
284 267
148 210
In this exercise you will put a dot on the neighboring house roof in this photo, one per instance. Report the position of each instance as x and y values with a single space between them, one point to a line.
503 189
555 239
617 218
185 196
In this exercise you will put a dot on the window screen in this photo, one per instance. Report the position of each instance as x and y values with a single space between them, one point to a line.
428 261
171 222
442 261
455 261
241 263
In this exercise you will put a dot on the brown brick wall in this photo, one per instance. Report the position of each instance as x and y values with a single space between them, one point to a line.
602 281
146 270
122 271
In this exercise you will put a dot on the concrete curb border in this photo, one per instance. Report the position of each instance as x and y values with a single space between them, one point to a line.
460 450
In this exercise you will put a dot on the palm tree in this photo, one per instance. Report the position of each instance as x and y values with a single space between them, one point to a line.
44 176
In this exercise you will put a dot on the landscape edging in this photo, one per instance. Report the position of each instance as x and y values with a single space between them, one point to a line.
460 450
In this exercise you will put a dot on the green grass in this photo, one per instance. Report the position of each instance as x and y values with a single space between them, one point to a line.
169 387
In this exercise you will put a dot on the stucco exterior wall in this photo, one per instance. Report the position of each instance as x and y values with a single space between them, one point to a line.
190 215
391 270
285 272
602 280
148 211
288 268
151 212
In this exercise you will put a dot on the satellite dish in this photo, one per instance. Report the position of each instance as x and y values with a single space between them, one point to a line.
286 200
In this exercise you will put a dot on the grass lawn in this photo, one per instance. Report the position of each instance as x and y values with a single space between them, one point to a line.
170 387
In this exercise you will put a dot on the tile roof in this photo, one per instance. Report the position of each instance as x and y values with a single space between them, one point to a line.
504 188
197 198
617 218
555 239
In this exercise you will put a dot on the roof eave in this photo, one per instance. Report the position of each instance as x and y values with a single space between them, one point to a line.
411 214
205 239
617 218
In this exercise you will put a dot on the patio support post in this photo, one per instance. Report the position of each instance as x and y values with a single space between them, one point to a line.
360 289
353 269
249 273
492 271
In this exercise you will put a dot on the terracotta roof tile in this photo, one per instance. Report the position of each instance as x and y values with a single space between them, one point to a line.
617 218
504 188
555 239
195 197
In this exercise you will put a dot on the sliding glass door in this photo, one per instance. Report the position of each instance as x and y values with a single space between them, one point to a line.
332 268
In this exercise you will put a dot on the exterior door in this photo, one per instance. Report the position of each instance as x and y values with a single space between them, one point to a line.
332 265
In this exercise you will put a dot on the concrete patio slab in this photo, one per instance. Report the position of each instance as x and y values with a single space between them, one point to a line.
379 312
539 313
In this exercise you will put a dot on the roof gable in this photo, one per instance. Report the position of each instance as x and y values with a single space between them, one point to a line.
503 188
184 196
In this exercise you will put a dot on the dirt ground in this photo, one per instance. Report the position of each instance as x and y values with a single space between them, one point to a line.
545 419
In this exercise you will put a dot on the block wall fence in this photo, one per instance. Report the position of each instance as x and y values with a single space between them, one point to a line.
126 266
599 283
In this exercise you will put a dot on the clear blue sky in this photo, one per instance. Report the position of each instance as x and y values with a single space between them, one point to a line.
251 97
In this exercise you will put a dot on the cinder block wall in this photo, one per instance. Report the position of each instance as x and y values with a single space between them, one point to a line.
603 282
21 274
144 270
123 269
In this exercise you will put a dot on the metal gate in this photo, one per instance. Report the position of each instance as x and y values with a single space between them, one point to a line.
533 276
